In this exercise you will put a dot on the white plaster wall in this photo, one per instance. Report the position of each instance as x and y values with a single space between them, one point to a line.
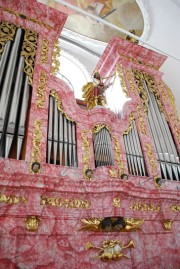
165 35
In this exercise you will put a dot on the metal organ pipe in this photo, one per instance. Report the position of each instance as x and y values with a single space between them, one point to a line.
14 98
134 154
61 146
102 148
164 143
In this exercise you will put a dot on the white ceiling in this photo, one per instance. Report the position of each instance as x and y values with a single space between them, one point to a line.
162 22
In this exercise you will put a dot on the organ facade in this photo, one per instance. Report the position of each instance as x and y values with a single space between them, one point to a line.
83 188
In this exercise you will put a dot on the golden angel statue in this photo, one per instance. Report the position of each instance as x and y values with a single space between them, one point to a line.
94 92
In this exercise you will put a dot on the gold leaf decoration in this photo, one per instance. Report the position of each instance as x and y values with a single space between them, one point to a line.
29 52
7 33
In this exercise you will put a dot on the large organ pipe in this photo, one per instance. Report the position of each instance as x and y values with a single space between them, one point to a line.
133 151
60 138
70 143
74 145
127 154
14 107
164 144
50 127
65 141
107 156
55 132
4 59
23 115
6 90
139 150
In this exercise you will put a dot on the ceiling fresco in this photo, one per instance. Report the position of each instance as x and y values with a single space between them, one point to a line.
123 13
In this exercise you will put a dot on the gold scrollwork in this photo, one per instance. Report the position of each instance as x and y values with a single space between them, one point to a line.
145 207
118 156
113 173
151 157
40 96
99 127
55 61
7 33
29 52
44 52
32 223
12 199
139 78
130 80
153 88
175 208
86 153
36 151
94 224
167 224
55 95
122 79
27 18
141 120
131 118
176 123
116 202
65 202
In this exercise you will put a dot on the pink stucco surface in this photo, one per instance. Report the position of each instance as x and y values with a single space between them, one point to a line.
57 243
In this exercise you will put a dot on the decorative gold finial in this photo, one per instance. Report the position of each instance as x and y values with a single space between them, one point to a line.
167 224
32 223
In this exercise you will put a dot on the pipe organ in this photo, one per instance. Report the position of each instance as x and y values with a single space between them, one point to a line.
134 155
102 146
62 145
167 155
18 50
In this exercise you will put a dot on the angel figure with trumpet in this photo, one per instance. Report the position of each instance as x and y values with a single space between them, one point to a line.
94 92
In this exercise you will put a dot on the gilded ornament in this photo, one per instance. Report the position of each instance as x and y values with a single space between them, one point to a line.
113 173
40 95
32 223
29 52
27 18
141 121
12 199
130 78
153 89
167 224
111 224
111 250
55 95
55 61
44 51
65 202
7 33
175 208
176 124
118 156
145 207
122 79
151 157
139 80
116 202
86 155
99 127
131 119
36 144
